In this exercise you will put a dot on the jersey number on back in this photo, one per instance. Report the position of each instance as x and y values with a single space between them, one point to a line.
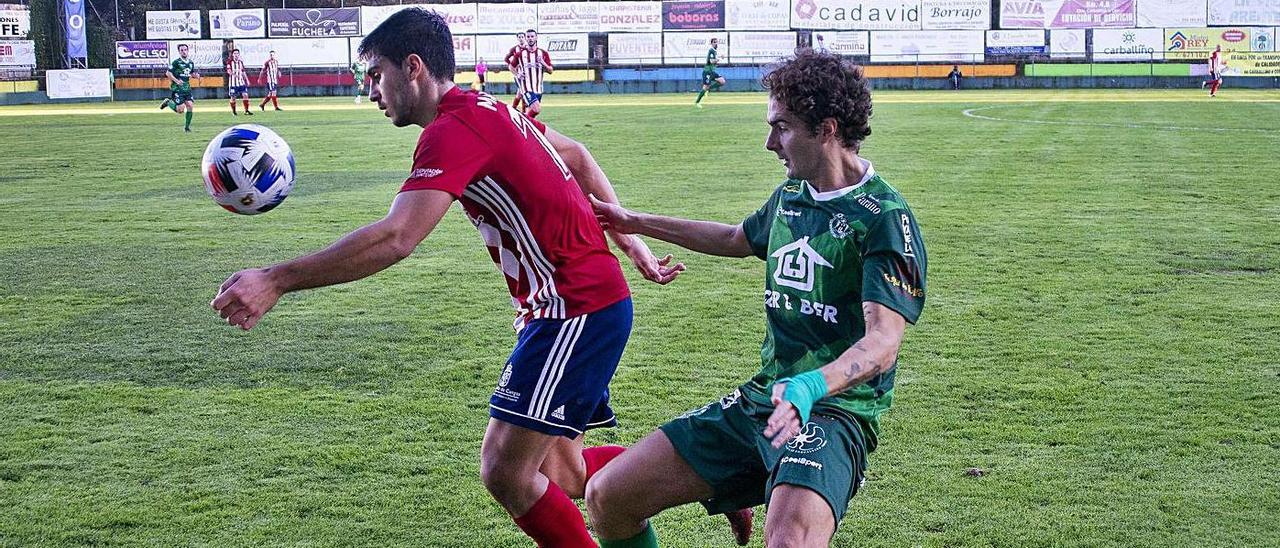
526 127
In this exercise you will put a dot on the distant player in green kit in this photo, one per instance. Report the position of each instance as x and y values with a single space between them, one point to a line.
711 80
358 69
179 75
844 275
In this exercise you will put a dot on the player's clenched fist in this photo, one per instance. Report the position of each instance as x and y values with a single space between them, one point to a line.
245 297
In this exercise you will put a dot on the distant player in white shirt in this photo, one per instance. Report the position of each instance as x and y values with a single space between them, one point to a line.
513 64
1216 66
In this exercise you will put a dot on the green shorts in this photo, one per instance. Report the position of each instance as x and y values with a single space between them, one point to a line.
724 443
180 96
709 77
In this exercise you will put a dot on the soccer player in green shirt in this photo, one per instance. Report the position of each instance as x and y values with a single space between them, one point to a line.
711 80
179 75
844 275
358 69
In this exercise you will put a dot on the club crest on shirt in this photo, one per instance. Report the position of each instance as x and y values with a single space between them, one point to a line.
839 226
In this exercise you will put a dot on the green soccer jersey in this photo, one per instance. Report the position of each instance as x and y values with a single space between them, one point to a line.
712 61
182 69
825 254
358 69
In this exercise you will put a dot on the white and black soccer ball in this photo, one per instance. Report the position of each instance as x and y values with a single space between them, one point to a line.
248 169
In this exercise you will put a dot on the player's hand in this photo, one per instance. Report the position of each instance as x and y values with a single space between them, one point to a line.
245 297
784 423
614 217
659 271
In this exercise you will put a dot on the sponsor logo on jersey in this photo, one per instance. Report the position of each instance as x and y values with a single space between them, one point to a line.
906 237
506 377
427 172
787 212
870 203
791 188
809 440
796 264
903 285
839 226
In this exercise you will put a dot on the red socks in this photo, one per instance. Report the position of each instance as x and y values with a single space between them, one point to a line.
274 102
555 522
597 457
233 106
1213 88
246 105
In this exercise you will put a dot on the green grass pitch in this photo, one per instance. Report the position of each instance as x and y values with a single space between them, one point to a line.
1100 337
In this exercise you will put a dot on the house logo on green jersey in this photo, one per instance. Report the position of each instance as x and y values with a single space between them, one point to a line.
796 263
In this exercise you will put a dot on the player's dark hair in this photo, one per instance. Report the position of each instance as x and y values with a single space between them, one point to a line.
815 86
237 50
413 31
531 30
180 46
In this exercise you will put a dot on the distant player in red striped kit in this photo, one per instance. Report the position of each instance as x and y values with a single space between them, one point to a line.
1216 65
534 64
270 76
523 186
513 64
237 82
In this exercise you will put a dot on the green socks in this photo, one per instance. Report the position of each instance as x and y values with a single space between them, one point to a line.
188 126
700 96
646 539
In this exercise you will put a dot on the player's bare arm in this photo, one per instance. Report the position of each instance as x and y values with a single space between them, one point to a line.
707 237
249 294
873 354
169 74
595 183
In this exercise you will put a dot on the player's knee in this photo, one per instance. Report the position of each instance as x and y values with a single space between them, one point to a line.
499 480
603 494
796 534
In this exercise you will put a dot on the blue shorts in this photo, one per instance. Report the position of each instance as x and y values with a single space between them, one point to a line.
531 97
238 91
271 88
557 379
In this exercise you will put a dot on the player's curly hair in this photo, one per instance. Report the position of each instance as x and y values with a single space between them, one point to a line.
815 86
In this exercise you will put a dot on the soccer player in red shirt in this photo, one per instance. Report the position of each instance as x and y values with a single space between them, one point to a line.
524 187
1216 64
237 82
534 63
270 76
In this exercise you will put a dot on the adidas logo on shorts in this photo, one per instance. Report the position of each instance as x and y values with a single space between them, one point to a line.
558 413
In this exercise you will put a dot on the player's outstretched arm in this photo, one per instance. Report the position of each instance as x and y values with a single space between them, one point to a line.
873 354
707 237
594 182
247 295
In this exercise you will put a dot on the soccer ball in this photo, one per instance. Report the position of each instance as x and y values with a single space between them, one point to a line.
248 169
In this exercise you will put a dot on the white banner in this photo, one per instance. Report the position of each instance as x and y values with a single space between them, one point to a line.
493 49
244 23
17 53
757 14
1128 44
953 46
955 14
68 84
1172 13
637 48
15 21
853 42
690 48
183 24
855 14
569 17
630 17
205 53
464 51
565 49
1014 39
506 18
762 47
1244 12
1066 44
295 52
461 17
